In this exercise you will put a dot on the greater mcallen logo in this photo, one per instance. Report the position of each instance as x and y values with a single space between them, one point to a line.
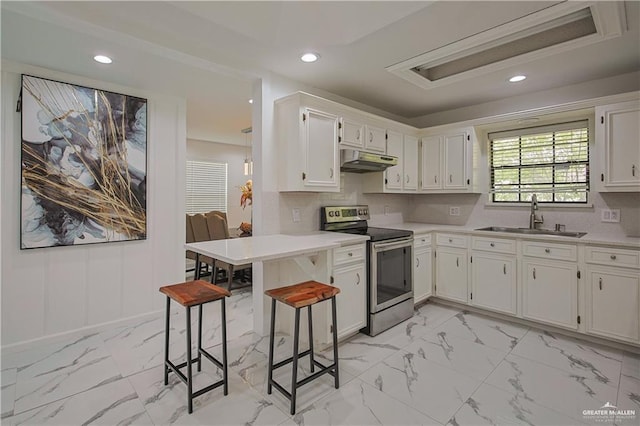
608 413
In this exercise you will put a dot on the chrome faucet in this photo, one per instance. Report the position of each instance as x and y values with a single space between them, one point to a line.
533 219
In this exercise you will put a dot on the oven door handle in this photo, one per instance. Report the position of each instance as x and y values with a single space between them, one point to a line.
378 247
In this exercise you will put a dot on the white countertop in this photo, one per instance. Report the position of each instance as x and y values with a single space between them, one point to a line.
590 238
240 251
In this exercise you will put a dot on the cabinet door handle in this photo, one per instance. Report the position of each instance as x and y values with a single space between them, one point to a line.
600 283
492 245
397 177
435 179
349 254
450 240
450 178
504 269
613 257
633 170
358 278
534 273
457 261
407 178
358 134
424 240
370 136
547 250
417 262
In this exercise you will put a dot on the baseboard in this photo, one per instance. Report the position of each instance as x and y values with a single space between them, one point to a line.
582 336
79 332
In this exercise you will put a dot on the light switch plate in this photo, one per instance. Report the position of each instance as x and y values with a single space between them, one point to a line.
610 215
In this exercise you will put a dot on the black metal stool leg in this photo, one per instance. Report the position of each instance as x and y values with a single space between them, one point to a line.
199 337
166 343
189 373
271 339
294 376
223 311
335 341
310 339
196 273
213 272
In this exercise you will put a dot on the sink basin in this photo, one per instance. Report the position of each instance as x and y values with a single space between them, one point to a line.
533 231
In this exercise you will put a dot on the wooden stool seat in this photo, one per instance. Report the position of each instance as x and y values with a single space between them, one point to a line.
192 293
303 294
299 296
189 294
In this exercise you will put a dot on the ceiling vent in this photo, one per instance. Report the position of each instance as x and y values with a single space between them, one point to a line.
550 31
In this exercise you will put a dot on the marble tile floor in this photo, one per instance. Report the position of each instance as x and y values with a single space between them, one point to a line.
441 367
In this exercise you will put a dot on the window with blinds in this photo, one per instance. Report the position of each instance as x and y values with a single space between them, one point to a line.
206 187
550 161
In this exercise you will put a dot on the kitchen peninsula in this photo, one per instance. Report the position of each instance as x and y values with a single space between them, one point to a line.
308 252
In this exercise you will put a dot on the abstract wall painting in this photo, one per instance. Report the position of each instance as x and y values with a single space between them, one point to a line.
84 165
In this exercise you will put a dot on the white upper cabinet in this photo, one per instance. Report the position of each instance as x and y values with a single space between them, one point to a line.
394 175
403 177
308 135
446 161
375 139
430 174
410 163
351 133
618 147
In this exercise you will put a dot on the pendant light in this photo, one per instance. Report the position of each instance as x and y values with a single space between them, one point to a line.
248 163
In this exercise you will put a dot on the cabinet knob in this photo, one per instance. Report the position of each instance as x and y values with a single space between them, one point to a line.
357 278
613 257
417 262
424 240
547 250
350 254
492 245
450 240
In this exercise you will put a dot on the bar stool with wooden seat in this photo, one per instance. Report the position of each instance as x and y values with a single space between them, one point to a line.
189 294
298 296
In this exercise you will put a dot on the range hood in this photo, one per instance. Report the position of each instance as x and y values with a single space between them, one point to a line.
355 161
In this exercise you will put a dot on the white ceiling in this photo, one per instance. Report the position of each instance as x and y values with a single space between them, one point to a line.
209 52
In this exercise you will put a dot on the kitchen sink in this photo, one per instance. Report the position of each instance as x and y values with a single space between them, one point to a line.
529 231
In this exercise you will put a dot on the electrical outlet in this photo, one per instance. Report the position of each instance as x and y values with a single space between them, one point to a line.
610 215
387 210
295 215
454 211
615 215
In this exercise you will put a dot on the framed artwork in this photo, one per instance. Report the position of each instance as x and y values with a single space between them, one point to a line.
83 165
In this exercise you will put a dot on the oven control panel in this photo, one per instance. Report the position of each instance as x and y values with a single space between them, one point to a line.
345 213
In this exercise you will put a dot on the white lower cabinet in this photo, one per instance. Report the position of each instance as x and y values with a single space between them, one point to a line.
550 292
493 282
422 278
613 302
351 302
451 274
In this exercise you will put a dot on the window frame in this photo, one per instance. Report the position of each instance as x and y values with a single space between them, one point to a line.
558 125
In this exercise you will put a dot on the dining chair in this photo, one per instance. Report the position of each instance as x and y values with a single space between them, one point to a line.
219 230
201 233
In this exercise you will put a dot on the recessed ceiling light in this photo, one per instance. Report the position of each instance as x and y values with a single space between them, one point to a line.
250 101
102 59
517 78
310 57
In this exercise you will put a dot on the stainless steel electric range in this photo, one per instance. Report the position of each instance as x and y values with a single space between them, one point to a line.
389 265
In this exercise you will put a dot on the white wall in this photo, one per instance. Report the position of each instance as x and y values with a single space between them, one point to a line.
234 156
53 291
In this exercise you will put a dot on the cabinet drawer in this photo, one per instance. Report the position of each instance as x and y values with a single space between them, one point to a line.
550 250
498 245
422 241
613 257
452 240
348 254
